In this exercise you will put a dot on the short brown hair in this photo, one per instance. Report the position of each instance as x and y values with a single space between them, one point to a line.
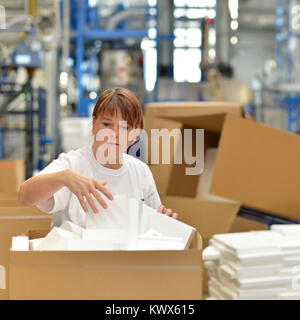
120 98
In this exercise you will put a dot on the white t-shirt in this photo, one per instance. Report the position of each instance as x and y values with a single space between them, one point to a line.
133 179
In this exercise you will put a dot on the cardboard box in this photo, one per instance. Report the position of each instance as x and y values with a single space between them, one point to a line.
12 173
11 203
177 190
5 195
175 274
13 222
256 166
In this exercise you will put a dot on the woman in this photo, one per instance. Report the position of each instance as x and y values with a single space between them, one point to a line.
98 171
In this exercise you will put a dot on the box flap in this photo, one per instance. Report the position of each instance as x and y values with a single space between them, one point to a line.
11 203
12 212
201 115
208 217
258 166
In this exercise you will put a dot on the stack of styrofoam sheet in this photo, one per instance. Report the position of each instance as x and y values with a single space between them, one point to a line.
255 265
127 224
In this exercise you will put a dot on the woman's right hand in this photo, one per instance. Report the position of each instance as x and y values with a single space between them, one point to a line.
83 187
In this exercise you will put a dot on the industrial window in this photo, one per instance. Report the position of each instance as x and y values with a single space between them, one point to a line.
189 15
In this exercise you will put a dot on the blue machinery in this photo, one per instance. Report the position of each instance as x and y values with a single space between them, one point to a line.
30 130
284 35
88 15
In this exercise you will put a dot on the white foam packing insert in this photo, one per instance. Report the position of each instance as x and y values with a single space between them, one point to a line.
252 274
20 243
72 227
57 239
116 216
166 225
90 245
156 244
34 243
287 229
210 253
250 242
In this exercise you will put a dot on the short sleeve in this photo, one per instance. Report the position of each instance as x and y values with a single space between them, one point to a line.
61 198
151 196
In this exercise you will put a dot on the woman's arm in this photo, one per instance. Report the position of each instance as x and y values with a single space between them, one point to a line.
42 187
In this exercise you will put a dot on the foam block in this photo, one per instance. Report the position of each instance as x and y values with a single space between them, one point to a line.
34 243
287 229
20 243
156 244
57 239
72 227
89 245
211 253
167 226
116 216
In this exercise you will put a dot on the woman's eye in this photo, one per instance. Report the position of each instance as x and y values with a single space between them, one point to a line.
106 124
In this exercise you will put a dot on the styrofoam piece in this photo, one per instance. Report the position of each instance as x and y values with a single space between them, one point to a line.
20 243
72 227
156 244
135 207
167 226
57 239
289 295
116 216
152 233
105 234
34 243
227 272
290 245
250 242
291 261
253 271
262 293
214 294
263 282
257 258
287 229
89 245
211 253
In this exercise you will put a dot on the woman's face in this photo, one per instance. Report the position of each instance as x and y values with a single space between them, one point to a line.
111 137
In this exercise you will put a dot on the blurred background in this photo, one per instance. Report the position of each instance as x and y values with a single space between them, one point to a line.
57 56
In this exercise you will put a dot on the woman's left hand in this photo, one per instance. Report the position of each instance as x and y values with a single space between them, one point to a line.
169 212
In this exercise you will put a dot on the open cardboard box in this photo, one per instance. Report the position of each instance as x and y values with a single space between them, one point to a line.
13 222
12 175
177 190
174 274
256 166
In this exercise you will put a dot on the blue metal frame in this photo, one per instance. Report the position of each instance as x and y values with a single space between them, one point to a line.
263 217
283 58
84 37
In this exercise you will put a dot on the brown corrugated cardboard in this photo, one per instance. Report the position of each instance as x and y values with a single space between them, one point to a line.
106 274
208 213
259 166
13 222
4 196
178 190
243 225
11 203
184 115
12 173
